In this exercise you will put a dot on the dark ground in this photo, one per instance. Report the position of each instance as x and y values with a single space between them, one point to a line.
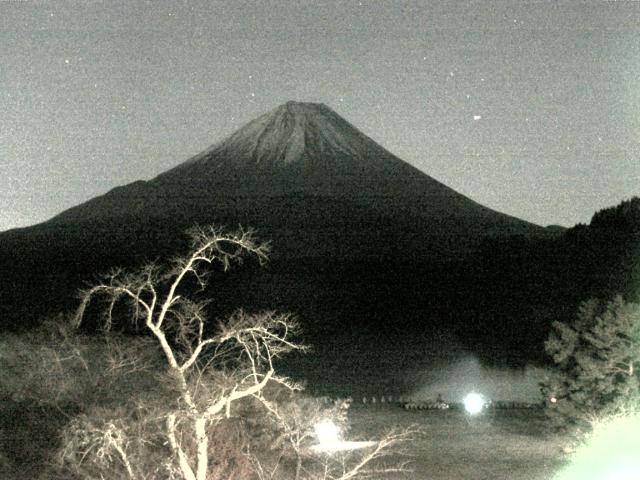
499 445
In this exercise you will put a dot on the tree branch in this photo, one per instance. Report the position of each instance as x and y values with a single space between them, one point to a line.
183 460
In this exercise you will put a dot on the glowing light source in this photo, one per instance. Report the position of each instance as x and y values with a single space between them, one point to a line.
327 432
611 452
328 435
474 403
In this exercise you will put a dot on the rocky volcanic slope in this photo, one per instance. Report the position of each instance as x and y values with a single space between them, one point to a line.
308 180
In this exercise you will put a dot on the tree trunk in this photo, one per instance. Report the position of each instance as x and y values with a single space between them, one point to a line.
203 446
298 466
183 461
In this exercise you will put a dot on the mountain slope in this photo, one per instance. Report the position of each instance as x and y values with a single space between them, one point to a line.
303 151
358 235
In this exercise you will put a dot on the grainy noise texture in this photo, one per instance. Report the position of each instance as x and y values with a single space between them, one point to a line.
529 108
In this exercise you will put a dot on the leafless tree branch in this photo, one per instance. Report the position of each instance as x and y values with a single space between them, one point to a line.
178 325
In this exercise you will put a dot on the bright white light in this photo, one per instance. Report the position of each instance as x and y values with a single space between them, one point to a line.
474 403
327 432
610 452
623 473
329 442
477 117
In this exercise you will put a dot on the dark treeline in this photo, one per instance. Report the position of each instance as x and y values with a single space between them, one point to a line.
499 299
525 284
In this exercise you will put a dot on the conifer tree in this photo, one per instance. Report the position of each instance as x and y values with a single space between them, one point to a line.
596 363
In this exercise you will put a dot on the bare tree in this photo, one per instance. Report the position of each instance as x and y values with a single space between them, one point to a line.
209 371
296 418
371 463
194 399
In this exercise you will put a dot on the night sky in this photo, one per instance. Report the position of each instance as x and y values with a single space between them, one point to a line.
530 108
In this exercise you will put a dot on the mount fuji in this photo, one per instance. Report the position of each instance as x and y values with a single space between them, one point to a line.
360 238
298 150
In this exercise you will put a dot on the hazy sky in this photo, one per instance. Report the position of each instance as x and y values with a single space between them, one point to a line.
530 108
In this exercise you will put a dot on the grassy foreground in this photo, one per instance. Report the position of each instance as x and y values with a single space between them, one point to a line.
498 445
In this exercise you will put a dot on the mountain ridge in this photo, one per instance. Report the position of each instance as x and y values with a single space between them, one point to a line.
282 135
356 232
299 149
365 246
